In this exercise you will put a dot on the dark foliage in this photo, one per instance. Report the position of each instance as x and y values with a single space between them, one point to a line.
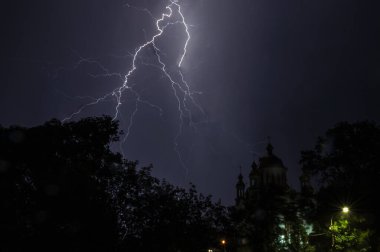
345 165
63 189
50 195
157 216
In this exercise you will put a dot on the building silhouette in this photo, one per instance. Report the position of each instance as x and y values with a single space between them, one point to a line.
267 212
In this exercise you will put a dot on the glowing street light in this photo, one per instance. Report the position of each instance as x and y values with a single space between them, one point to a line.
223 242
345 209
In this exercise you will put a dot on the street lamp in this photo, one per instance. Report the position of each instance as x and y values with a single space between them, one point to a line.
223 242
345 210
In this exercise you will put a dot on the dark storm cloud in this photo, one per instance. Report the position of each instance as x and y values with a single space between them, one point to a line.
285 69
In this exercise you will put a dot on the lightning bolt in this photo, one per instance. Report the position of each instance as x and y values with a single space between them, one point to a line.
181 89
187 32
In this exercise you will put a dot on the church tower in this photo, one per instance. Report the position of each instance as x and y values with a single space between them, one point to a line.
254 176
273 171
269 173
240 189
265 203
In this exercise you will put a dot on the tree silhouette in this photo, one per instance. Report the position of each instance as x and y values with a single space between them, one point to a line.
63 189
345 167
52 194
157 216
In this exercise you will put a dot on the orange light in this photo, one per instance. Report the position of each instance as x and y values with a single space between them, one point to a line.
223 242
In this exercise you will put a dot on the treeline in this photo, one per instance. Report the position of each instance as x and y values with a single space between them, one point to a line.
63 189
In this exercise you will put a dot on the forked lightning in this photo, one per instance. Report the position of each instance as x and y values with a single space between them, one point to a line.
173 15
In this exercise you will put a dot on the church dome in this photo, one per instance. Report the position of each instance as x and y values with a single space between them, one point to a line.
272 169
270 159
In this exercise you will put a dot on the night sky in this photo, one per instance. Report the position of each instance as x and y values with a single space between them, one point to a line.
285 69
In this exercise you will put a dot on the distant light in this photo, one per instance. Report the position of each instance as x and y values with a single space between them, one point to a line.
223 242
345 209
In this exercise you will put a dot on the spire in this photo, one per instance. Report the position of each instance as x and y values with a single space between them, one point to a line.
254 175
240 183
254 171
240 188
269 147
